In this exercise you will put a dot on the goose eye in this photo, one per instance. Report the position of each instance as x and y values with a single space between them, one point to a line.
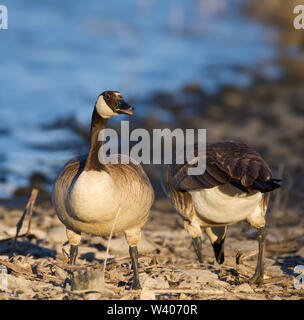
107 97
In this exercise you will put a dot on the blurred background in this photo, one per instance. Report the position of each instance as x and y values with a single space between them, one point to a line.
234 67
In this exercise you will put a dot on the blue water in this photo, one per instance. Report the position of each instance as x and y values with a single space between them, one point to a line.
57 56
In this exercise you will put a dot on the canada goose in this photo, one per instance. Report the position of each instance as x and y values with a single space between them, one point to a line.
235 186
93 198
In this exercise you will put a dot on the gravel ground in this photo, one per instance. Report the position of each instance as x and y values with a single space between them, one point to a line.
168 266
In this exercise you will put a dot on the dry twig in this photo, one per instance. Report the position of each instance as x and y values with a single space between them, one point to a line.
28 274
28 208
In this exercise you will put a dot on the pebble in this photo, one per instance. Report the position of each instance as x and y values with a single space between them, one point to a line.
201 276
245 287
147 294
147 282
60 273
89 280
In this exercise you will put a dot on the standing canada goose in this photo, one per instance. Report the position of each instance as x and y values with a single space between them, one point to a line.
92 197
235 186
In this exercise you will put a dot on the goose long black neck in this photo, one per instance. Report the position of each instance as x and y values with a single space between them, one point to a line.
97 124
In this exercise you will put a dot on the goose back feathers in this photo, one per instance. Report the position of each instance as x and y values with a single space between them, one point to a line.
226 162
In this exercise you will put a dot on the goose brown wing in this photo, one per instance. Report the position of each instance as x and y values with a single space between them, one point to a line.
231 162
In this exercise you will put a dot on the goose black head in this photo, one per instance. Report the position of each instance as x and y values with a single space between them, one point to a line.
111 103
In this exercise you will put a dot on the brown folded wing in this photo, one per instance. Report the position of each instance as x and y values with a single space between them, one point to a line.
225 162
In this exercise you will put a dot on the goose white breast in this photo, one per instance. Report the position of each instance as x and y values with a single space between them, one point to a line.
225 204
93 197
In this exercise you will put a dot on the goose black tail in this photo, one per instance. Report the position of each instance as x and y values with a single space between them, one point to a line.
267 186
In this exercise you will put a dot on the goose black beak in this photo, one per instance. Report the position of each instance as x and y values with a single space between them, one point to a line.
124 108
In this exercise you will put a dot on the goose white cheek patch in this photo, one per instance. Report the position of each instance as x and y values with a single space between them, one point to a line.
103 109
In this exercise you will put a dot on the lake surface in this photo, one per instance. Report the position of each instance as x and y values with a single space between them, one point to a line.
57 56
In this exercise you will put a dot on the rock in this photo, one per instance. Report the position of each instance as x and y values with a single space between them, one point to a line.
274 289
60 273
219 284
94 296
245 287
274 271
196 278
147 282
89 280
202 276
24 286
147 294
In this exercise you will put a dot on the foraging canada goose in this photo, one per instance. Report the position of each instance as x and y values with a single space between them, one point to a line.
235 186
92 197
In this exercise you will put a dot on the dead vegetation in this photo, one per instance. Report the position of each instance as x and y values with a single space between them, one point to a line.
168 265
